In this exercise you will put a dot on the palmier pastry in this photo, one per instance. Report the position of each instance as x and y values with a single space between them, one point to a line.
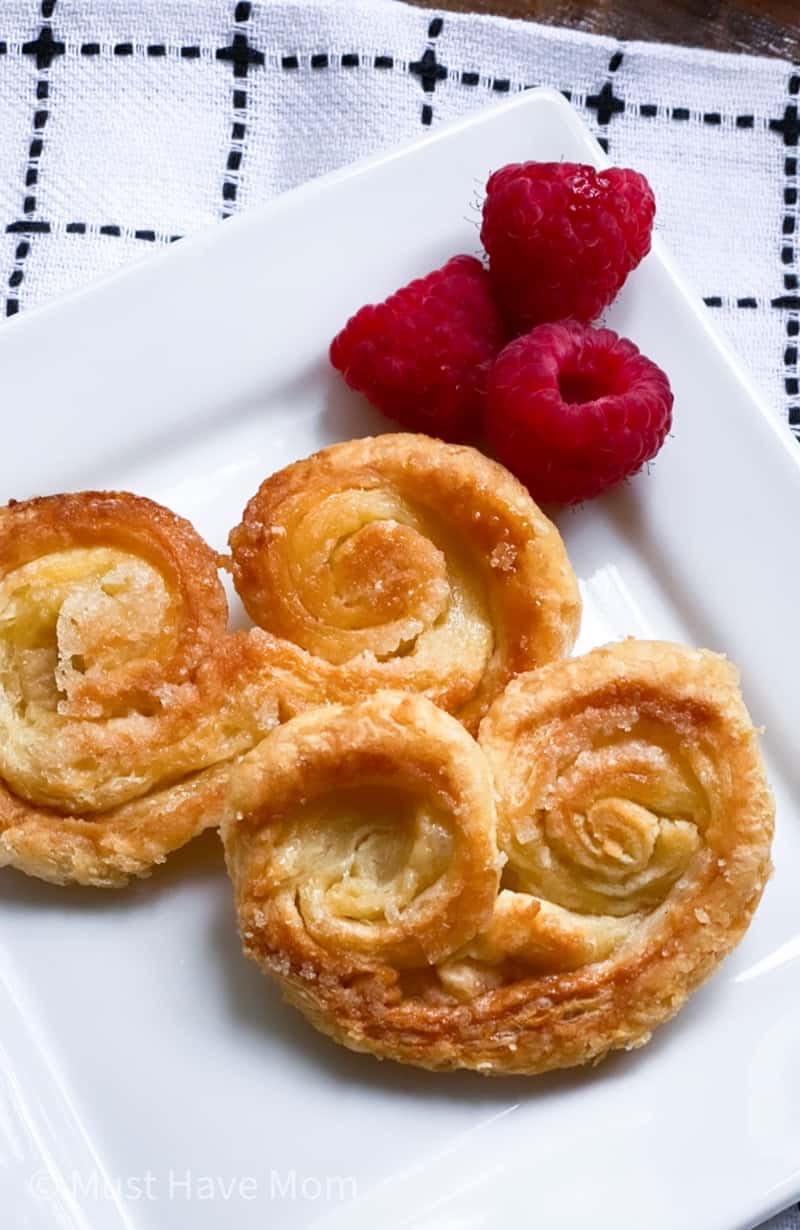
634 821
118 682
402 562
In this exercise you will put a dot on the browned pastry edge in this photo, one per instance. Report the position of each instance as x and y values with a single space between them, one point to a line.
120 773
106 850
513 553
131 523
399 744
99 828
559 1019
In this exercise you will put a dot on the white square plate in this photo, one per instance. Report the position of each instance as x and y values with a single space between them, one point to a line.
150 1076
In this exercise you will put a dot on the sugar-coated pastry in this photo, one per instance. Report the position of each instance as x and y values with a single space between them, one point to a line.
361 844
118 685
402 562
634 824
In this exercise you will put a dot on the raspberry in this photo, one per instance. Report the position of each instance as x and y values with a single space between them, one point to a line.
423 355
572 410
562 238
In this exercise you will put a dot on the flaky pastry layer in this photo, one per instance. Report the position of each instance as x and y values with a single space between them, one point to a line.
630 813
395 561
120 686
402 562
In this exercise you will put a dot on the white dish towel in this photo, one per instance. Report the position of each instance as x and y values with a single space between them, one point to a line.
126 125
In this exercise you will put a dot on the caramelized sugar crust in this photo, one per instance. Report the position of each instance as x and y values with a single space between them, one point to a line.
413 912
124 700
120 687
402 562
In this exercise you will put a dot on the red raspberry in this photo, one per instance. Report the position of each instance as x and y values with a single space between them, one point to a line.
571 410
562 238
423 355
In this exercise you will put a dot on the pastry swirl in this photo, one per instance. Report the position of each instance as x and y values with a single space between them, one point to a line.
362 834
402 562
634 819
118 683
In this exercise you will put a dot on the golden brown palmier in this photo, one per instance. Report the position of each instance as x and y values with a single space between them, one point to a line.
361 844
634 817
118 683
402 562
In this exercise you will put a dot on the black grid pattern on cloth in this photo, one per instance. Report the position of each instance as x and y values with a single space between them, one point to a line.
242 57
602 105
605 102
788 127
429 70
43 50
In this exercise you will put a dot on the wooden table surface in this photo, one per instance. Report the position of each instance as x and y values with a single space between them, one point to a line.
762 27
